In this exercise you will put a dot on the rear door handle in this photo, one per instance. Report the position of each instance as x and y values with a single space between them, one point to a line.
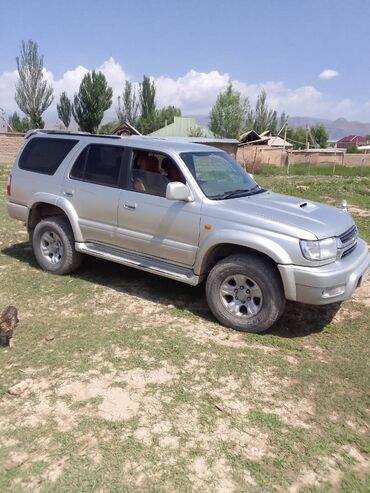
68 193
130 207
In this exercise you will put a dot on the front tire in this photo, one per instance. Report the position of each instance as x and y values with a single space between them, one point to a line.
244 292
53 245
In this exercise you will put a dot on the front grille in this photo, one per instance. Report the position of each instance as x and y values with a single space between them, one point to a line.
348 235
347 242
348 251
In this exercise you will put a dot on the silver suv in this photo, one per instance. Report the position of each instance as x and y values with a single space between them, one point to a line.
184 211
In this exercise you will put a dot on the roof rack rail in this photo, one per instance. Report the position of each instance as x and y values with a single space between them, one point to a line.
67 132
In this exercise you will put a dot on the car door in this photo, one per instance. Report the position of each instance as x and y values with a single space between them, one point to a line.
92 187
150 224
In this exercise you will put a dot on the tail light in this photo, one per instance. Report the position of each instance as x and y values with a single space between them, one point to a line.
9 185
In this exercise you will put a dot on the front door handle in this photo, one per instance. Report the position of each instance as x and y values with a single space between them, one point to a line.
130 207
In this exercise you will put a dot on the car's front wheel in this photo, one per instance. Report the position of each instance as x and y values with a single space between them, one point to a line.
53 246
245 292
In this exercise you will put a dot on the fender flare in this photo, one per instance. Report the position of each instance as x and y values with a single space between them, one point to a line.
64 205
253 241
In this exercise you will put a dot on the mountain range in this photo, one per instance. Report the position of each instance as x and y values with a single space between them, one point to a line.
336 128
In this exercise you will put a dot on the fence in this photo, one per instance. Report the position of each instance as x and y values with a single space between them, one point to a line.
253 157
10 144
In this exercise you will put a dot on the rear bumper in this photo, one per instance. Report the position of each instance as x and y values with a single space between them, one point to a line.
327 284
17 211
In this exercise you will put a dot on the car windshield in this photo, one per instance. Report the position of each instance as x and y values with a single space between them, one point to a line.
219 175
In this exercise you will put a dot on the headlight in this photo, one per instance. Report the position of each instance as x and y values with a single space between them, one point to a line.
319 249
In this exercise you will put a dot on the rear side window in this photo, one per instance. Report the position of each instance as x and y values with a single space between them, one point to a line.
44 155
99 164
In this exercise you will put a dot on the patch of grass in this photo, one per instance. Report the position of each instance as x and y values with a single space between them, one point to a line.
307 169
267 420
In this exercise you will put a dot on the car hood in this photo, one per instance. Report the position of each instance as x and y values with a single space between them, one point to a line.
286 214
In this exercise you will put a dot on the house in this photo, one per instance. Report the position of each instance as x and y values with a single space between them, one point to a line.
266 138
183 126
252 138
351 140
276 140
186 129
365 149
125 129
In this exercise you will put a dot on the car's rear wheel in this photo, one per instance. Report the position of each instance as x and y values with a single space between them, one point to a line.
245 292
53 246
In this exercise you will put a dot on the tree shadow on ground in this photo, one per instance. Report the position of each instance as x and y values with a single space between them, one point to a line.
298 320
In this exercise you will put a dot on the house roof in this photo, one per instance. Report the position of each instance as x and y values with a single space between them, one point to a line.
181 127
278 142
352 139
265 138
125 128
250 136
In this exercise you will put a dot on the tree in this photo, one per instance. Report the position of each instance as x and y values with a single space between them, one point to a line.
32 92
262 118
108 128
64 108
148 111
196 132
352 149
320 135
229 113
18 124
166 116
129 109
93 98
297 136
283 120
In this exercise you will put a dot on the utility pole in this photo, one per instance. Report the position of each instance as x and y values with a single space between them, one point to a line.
285 131
307 144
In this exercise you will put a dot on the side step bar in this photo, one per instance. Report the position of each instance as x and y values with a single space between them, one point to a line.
141 262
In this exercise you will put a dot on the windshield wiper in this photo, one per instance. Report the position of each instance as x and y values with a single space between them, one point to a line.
238 193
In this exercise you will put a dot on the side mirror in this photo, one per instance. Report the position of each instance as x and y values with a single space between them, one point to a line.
178 191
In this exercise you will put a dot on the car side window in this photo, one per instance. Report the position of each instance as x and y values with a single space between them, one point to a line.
151 172
100 164
44 155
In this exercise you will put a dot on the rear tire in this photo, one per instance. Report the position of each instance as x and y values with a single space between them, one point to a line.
54 246
244 292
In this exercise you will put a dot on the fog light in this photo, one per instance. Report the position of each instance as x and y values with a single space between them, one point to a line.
330 293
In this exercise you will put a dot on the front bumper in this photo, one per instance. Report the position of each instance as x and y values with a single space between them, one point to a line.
329 283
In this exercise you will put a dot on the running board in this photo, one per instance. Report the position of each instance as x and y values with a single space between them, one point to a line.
141 262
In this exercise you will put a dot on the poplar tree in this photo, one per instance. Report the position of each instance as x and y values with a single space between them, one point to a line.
128 106
93 98
229 113
64 108
148 109
33 94
262 118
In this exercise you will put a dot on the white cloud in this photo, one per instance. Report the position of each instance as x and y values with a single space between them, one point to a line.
195 93
7 90
328 74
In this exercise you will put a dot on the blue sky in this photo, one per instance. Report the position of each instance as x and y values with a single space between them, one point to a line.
192 48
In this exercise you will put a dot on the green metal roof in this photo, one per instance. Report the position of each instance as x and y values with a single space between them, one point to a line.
181 127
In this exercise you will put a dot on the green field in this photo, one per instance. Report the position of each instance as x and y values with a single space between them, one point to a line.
307 169
129 384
